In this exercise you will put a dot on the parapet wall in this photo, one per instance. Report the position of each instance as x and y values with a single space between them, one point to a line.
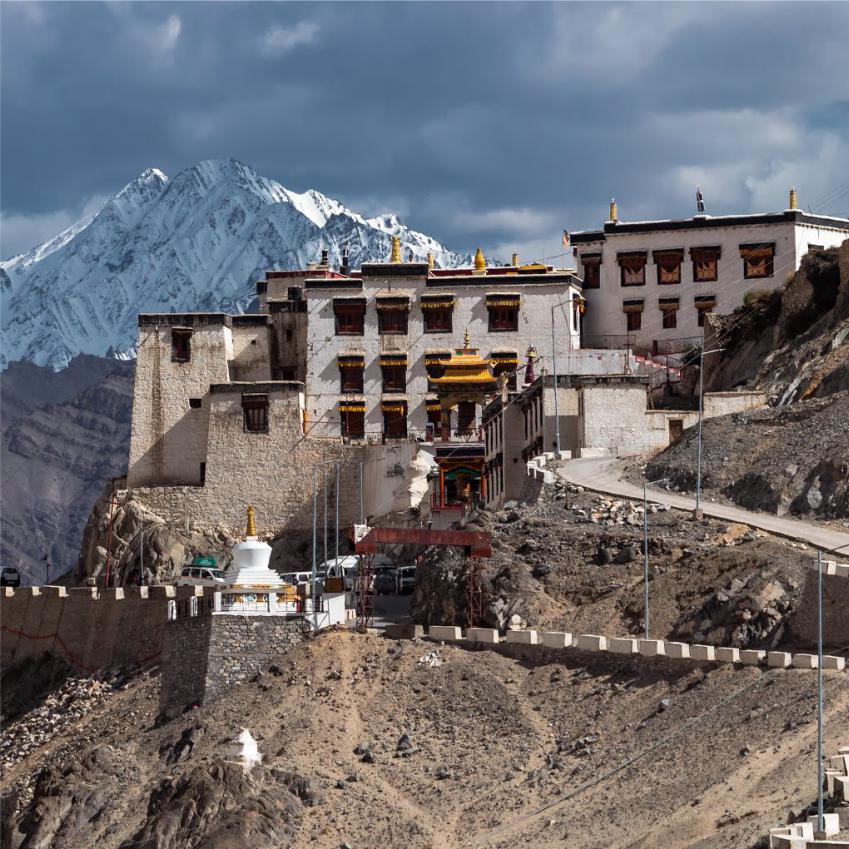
92 629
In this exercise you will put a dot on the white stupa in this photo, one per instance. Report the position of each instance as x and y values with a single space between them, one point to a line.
249 569
244 751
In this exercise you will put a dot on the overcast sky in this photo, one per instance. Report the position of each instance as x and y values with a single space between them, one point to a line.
481 124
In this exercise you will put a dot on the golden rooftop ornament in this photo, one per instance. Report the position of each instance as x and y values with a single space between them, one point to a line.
251 529
396 249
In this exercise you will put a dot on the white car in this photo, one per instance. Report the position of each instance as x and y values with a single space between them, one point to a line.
346 568
201 576
295 578
406 579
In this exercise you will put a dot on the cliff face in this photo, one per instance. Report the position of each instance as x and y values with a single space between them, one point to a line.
64 433
795 343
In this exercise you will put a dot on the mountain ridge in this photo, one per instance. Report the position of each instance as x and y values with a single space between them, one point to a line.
195 241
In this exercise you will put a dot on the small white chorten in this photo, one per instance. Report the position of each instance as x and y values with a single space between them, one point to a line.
244 750
249 568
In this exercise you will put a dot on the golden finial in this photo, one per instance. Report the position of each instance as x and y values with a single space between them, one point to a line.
429 259
515 259
614 213
466 339
396 249
480 262
251 529
793 201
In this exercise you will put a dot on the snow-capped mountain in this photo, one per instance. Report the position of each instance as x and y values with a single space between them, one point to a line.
197 242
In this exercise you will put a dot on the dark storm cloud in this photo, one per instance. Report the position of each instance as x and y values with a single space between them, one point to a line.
481 123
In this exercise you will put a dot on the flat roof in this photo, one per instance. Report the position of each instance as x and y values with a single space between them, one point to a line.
707 222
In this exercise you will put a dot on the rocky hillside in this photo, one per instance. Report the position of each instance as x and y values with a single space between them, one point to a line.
787 460
573 561
794 343
64 434
367 742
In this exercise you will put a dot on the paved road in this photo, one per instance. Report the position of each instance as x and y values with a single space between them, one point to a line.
602 475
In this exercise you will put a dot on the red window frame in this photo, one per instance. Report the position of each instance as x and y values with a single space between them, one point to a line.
395 424
503 319
350 318
438 320
394 378
351 378
353 424
392 320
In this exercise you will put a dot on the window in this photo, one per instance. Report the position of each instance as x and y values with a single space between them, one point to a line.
181 344
202 474
591 264
704 305
465 417
434 416
758 260
195 403
395 420
669 311
503 313
392 315
255 412
353 420
815 248
435 367
350 314
633 315
632 268
438 313
394 373
351 369
705 263
505 362
668 266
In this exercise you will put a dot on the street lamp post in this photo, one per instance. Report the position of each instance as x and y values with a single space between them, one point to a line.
820 817
646 558
554 374
698 511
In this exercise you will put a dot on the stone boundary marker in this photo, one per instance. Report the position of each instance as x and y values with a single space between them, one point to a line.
635 646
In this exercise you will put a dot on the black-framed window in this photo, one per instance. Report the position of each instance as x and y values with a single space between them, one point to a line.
395 421
503 316
705 263
632 268
668 265
393 315
195 403
591 263
353 423
394 377
758 261
670 319
255 413
438 319
181 344
350 317
351 375
703 307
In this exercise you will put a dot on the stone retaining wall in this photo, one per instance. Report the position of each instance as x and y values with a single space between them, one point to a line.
90 628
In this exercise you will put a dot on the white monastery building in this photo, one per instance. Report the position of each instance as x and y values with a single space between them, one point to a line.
649 284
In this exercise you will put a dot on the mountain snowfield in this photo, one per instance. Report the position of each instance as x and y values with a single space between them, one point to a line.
194 243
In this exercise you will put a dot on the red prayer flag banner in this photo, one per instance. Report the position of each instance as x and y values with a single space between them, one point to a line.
565 239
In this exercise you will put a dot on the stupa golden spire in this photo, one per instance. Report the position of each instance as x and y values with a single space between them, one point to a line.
251 529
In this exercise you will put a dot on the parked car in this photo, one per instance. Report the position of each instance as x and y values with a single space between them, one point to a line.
385 582
295 578
406 579
201 576
10 577
346 568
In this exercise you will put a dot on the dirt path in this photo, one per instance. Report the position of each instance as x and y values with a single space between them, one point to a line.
600 474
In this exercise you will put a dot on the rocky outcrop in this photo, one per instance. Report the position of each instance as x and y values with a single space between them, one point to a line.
793 343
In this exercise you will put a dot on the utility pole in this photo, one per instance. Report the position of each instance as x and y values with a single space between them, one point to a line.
362 515
325 515
336 526
554 374
314 531
820 816
645 562
141 559
698 512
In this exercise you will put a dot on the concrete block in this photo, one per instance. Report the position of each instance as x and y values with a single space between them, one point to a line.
726 654
136 592
61 592
8 592
165 591
829 775
32 591
752 657
829 567
623 645
831 825
592 642
805 661
679 650
483 635
556 639
830 661
840 762
781 659
699 652
114 594
83 592
527 638
841 788
842 570
652 648
445 632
